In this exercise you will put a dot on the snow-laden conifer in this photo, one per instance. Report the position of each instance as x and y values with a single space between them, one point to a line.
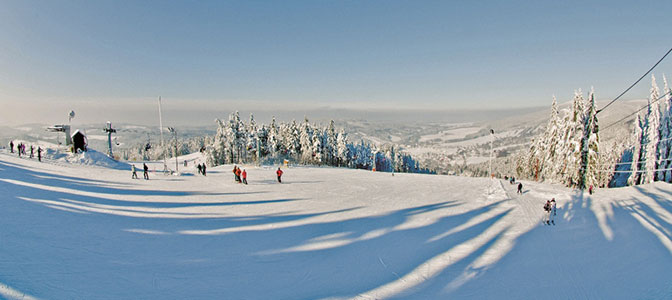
651 135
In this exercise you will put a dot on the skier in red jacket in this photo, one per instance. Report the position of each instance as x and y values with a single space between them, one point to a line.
279 173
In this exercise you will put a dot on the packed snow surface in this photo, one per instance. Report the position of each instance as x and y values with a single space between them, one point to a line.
87 231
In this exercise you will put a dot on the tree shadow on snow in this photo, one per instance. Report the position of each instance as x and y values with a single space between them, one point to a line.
579 258
95 254
83 184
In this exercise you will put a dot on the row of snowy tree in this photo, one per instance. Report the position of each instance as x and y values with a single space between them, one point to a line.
568 151
238 142
649 158
158 151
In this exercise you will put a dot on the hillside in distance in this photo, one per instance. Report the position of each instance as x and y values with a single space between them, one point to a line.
449 142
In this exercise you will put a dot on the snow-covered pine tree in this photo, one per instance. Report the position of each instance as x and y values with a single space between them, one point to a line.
217 154
294 140
317 146
273 139
590 146
563 149
665 144
262 141
651 133
306 141
342 148
251 140
552 136
330 144
636 152
574 172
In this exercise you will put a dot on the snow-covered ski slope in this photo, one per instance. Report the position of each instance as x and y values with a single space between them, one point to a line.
88 232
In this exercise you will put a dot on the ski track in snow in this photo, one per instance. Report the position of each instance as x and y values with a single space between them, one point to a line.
85 231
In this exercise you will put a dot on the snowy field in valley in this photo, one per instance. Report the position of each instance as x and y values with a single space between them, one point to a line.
81 228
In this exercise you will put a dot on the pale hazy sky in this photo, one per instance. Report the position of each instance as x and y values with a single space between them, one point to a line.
86 55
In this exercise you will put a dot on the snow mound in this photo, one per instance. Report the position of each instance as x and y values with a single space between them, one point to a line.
90 158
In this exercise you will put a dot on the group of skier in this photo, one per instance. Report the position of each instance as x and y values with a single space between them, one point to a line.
549 206
21 149
201 169
239 175
145 172
549 212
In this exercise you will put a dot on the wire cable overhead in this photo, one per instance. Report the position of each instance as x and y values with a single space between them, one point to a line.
636 82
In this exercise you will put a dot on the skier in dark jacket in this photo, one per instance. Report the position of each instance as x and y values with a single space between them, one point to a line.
39 154
145 169
31 151
520 188
11 146
547 213
200 169
279 173
203 169
552 212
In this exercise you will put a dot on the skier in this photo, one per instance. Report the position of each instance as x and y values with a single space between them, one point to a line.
244 174
590 189
31 151
39 154
145 169
11 146
235 177
520 188
200 169
185 162
18 149
279 173
547 213
203 169
238 173
135 174
552 212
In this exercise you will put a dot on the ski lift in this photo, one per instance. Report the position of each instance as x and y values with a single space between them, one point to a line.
149 143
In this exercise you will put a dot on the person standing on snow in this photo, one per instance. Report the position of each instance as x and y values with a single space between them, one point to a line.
200 169
39 154
203 169
135 174
238 173
552 212
235 171
31 151
145 169
520 188
547 213
279 173
18 149
11 146
244 174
